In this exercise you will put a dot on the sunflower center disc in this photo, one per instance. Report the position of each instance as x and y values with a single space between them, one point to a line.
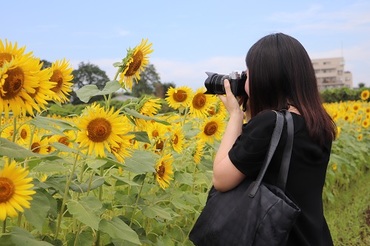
6 189
199 101
57 77
13 83
210 128
135 64
180 96
99 130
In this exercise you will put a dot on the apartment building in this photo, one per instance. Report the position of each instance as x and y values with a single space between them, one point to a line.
330 73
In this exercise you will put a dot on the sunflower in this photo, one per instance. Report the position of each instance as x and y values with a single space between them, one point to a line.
124 148
134 63
356 106
164 171
339 130
7 132
15 190
100 130
157 134
62 75
66 139
18 80
155 130
24 135
218 108
212 129
365 123
44 91
198 153
365 94
150 106
177 139
201 103
334 166
179 97
40 144
8 51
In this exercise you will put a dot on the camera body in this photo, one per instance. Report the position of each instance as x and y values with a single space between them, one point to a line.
215 83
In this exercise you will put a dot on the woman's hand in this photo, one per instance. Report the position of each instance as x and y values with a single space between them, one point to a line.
230 101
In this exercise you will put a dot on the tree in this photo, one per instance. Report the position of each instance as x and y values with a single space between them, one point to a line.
145 86
89 74
150 84
45 64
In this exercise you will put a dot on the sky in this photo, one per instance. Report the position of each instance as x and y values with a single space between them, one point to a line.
189 37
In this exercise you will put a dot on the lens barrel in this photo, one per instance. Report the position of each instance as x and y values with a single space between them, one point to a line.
215 83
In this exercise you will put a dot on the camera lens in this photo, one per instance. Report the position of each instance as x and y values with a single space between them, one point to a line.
215 83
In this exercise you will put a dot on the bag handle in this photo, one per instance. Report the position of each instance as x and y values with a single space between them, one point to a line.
275 138
285 161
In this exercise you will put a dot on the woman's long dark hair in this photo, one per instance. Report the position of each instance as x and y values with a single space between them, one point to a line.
281 74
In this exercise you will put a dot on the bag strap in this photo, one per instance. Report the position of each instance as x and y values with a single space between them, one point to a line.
275 138
285 161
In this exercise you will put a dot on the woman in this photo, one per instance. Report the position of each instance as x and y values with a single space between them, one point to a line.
280 76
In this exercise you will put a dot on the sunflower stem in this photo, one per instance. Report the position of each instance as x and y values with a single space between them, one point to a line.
100 199
20 219
137 200
77 234
4 226
194 173
117 73
14 129
185 115
101 187
65 196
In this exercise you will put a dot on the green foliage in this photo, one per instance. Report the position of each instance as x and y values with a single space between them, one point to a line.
342 94
349 159
349 217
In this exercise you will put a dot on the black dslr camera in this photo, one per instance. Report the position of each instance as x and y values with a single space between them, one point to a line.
215 83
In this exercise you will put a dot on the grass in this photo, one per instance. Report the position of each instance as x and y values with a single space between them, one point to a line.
348 216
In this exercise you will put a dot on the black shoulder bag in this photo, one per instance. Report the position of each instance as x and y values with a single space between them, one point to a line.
253 213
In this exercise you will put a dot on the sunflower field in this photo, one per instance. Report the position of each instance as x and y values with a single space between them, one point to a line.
125 175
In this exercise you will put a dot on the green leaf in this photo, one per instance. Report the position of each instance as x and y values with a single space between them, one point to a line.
92 184
85 238
110 87
50 166
85 211
64 148
88 91
141 162
57 182
117 229
141 136
36 214
20 237
157 212
138 115
184 178
95 163
124 180
55 126
12 150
